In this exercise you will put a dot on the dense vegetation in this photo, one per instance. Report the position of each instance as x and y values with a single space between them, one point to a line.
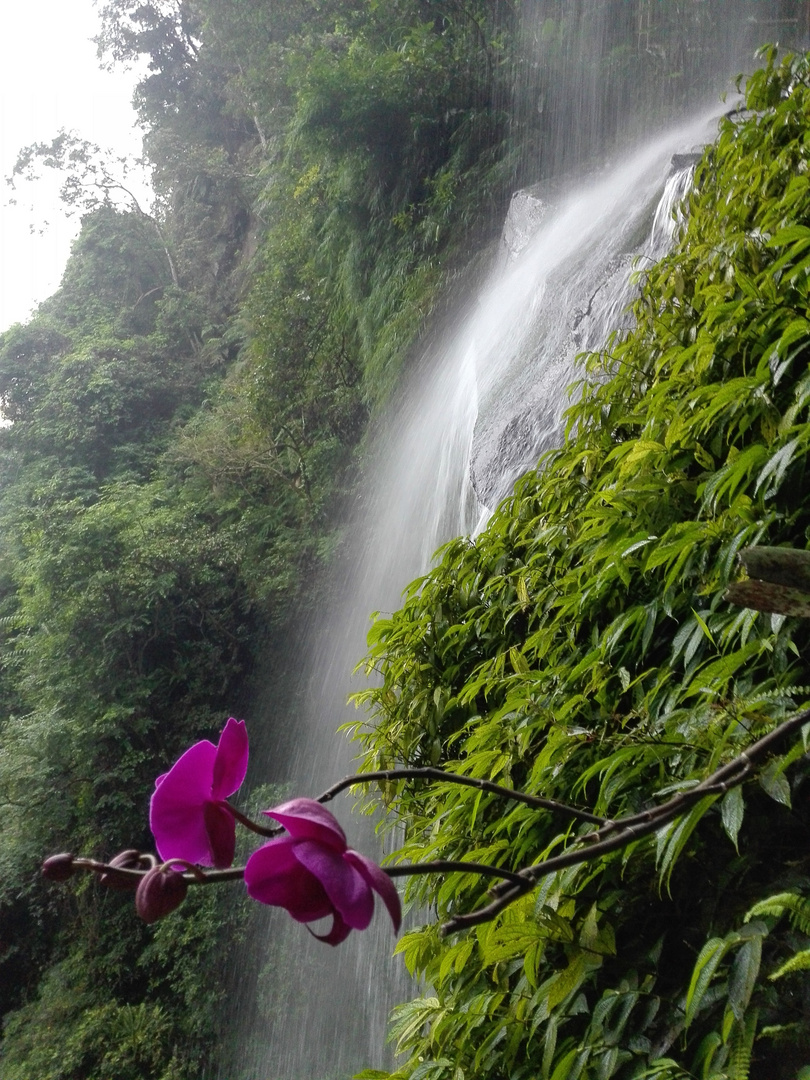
187 422
581 649
186 412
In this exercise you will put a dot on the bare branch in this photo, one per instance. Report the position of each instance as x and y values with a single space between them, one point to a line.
633 827
428 773
451 866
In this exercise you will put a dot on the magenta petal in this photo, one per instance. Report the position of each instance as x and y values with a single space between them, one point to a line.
305 819
274 876
231 761
221 829
339 932
346 888
380 882
175 812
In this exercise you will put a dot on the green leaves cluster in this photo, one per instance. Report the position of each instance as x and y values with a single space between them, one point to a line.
581 649
126 620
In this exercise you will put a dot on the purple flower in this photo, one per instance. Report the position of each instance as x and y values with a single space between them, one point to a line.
187 814
312 873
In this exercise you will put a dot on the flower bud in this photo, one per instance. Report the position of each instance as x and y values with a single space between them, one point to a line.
159 892
58 867
131 859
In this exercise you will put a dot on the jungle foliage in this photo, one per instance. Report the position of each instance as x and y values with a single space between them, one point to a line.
186 413
581 649
187 422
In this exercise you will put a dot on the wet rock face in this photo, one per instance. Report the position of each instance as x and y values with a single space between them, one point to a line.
580 286
684 161
520 417
526 212
497 463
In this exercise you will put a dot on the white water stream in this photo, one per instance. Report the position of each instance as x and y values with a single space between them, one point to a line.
476 413
485 404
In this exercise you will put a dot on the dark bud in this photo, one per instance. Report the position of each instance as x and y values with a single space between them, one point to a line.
59 867
159 892
131 859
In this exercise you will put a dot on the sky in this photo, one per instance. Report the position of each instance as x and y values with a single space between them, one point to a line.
50 79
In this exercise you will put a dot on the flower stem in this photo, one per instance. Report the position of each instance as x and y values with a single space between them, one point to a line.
195 875
254 826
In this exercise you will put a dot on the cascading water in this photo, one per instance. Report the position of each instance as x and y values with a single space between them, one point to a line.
476 414
490 403
567 290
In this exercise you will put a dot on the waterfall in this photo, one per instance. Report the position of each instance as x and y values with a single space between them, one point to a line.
475 417
477 412
563 294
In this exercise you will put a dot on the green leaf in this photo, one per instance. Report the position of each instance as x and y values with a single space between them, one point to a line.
707 963
549 1047
773 781
673 839
744 972
774 471
732 810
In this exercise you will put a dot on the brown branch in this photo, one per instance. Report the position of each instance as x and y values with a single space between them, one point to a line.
778 581
450 866
632 827
782 566
687 798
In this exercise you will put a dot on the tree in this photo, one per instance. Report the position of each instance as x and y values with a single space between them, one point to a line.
92 179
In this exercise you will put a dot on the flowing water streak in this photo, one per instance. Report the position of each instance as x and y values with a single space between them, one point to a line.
562 296
322 1012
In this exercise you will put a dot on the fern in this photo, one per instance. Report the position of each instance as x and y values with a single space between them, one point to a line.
742 1044
796 906
800 961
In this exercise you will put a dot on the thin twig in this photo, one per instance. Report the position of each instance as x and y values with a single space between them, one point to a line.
254 826
428 773
449 866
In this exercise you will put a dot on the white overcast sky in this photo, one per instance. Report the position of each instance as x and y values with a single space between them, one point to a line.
50 79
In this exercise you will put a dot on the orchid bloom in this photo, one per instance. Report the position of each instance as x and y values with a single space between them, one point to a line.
187 815
313 873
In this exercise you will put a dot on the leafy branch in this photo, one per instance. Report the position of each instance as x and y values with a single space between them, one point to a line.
92 178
